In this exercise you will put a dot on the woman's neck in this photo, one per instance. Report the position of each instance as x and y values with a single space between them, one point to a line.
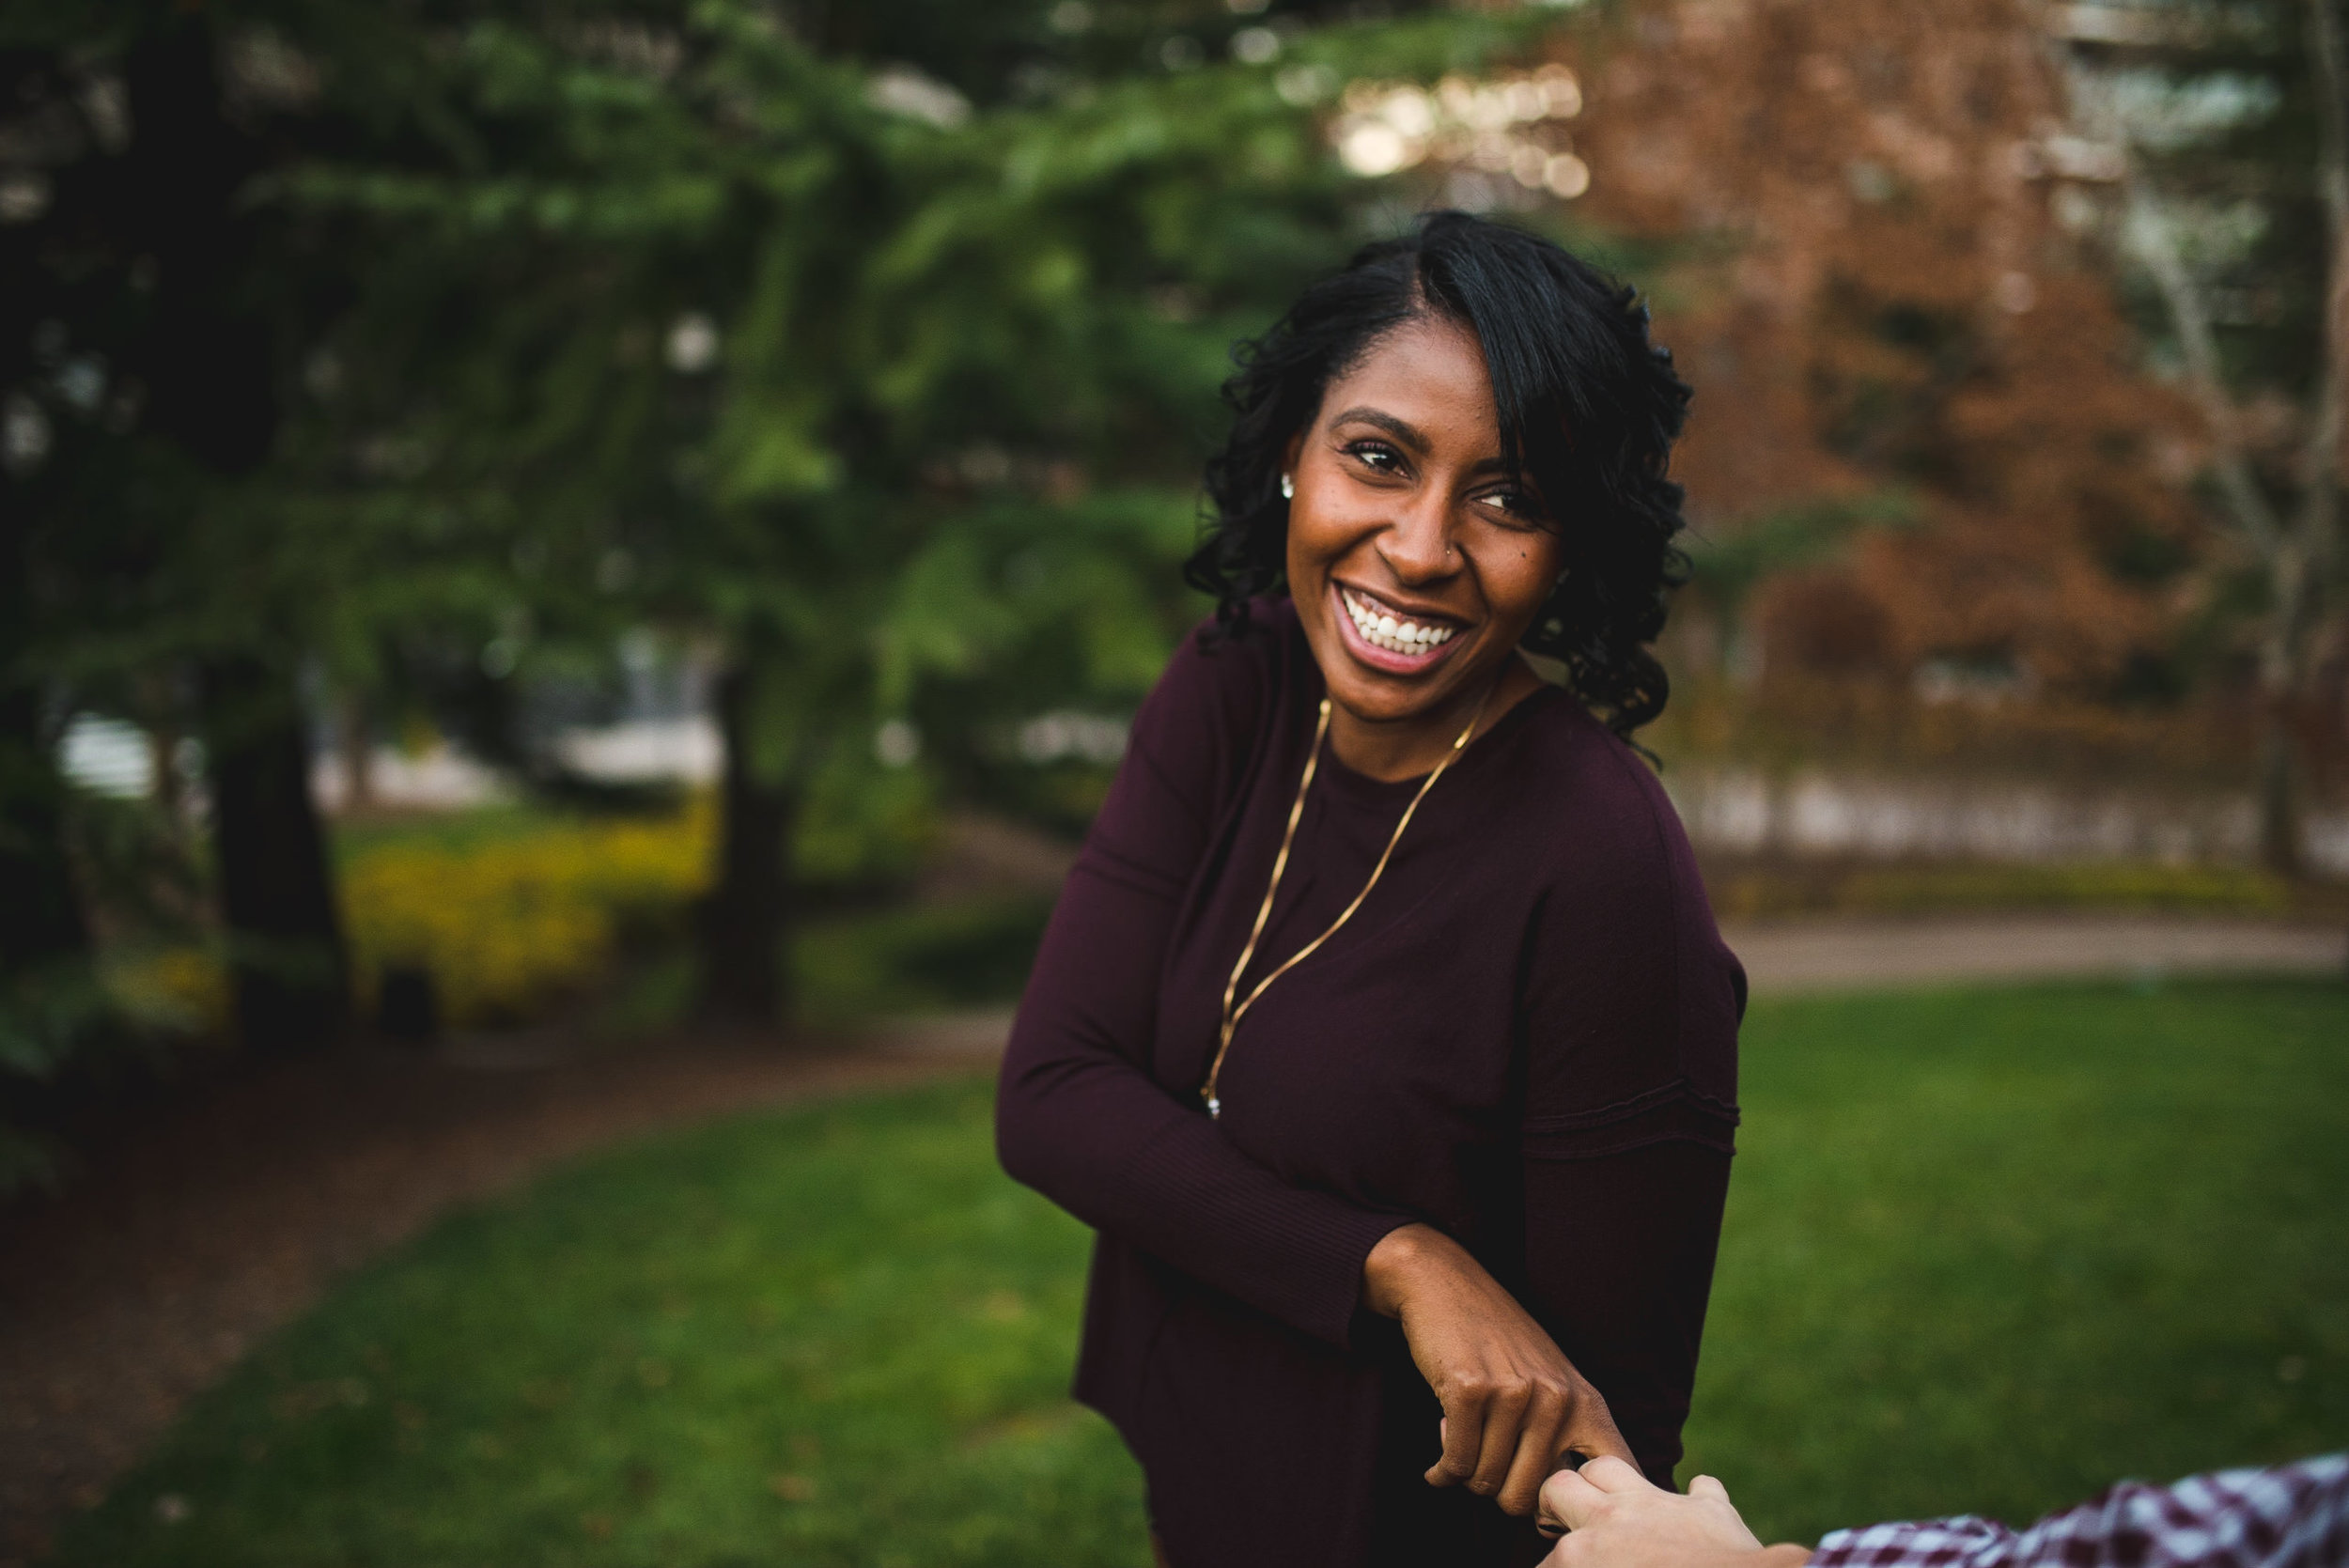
1397 749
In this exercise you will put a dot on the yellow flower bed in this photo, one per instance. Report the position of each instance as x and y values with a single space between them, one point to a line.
502 926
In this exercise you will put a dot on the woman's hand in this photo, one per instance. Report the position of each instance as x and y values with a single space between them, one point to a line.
1513 1404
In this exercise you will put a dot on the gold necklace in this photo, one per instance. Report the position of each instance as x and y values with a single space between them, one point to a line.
1232 1015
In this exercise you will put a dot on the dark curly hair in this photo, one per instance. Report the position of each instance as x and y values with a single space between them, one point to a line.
1589 410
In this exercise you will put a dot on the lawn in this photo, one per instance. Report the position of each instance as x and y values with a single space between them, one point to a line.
1985 1251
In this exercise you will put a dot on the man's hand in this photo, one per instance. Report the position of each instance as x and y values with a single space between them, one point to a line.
1512 1405
1617 1519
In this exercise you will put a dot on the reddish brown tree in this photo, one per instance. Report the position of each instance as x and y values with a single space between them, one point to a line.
1883 292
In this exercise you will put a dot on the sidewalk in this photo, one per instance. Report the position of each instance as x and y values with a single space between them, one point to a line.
1844 953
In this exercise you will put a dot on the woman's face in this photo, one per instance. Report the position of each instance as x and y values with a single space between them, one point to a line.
1415 562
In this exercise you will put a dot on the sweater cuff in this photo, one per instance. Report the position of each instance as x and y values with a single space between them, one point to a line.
1335 1260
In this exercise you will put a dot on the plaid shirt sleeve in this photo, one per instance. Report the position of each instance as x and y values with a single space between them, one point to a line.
2291 1517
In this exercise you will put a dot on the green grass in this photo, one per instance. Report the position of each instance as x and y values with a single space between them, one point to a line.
1991 1251
831 1336
1985 1251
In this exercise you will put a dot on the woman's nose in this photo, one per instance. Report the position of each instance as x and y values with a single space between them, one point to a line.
1417 545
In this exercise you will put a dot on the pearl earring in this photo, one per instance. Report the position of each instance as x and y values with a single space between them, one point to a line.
1288 488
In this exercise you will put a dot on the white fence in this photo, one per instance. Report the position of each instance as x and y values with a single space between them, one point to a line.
1818 812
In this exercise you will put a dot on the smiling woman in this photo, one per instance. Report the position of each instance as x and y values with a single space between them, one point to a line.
1575 412
1417 558
1382 1031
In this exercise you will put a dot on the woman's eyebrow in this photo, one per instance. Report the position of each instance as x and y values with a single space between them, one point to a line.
1401 429
1409 434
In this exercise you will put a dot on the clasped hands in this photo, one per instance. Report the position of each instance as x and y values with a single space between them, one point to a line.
1616 1518
1514 1406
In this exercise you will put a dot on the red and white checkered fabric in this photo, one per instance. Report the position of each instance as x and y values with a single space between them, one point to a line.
2291 1517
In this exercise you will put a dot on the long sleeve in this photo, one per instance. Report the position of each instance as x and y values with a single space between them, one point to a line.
1079 1116
1527 1039
2277 1517
1623 1275
1633 1008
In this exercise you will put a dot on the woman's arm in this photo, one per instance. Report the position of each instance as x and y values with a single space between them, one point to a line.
1631 1008
1077 1115
1513 1404
1621 1275
1605 1370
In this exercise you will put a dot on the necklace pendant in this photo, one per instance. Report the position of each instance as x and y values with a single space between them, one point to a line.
1215 1109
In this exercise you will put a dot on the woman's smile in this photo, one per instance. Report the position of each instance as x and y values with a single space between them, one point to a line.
1391 638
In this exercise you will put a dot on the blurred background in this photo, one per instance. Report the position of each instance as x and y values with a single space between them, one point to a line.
571 569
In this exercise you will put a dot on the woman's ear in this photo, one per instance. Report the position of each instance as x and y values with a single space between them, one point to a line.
1295 449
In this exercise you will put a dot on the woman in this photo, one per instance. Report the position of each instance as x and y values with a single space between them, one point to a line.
1382 1031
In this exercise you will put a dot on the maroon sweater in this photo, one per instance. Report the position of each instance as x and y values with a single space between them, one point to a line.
1526 1037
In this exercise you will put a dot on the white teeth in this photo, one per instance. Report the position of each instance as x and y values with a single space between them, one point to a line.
1380 629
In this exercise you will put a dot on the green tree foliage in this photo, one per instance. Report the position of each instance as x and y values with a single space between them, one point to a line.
148 305
876 383
2230 127
872 348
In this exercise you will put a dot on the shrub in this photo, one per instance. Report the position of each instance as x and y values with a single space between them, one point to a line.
507 926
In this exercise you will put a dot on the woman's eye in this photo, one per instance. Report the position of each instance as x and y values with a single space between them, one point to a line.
1376 456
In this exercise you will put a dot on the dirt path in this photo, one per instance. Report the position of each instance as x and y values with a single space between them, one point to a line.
205 1224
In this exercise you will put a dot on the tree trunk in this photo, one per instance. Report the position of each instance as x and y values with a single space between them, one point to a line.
2283 673
746 977
40 918
2321 462
2279 793
285 946
355 734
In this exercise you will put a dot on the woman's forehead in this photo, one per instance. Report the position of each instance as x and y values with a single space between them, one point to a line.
1428 374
